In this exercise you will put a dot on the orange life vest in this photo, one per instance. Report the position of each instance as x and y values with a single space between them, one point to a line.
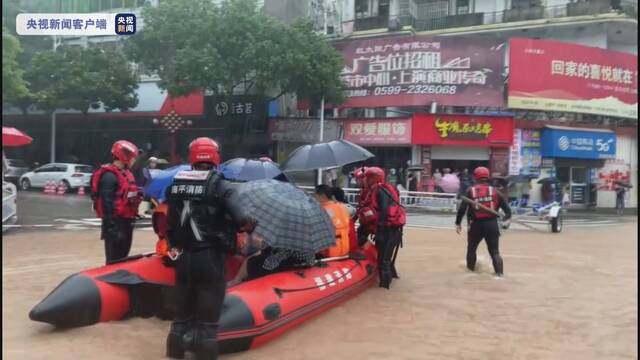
486 195
340 216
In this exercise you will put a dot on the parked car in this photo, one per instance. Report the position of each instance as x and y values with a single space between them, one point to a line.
71 175
14 169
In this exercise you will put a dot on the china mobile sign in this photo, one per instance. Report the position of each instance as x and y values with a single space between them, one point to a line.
577 143
378 131
418 70
555 76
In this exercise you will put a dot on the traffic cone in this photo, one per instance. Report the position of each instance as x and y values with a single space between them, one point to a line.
81 190
50 188
61 189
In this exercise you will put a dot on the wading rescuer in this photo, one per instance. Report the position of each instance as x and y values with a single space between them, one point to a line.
482 224
363 209
200 233
116 198
389 218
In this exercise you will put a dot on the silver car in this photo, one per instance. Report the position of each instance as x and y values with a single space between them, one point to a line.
14 169
70 175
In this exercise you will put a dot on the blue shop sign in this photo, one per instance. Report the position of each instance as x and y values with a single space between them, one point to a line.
578 144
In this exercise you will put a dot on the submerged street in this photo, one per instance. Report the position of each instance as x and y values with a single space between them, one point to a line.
571 295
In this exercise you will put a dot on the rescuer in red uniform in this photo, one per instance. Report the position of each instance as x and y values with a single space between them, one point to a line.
116 198
482 224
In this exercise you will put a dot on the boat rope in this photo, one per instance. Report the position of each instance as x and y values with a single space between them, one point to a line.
280 291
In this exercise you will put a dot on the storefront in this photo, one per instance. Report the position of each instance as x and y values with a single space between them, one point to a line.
389 139
574 156
462 142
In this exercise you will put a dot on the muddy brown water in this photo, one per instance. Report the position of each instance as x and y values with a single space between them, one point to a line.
565 296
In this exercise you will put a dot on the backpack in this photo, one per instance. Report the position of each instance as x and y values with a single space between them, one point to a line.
396 213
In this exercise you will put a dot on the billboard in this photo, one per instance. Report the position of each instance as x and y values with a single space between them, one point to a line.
556 76
378 131
578 144
418 70
462 130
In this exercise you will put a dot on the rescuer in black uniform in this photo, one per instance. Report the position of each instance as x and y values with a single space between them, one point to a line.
200 233
482 224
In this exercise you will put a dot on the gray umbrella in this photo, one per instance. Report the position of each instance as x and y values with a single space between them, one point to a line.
325 155
286 217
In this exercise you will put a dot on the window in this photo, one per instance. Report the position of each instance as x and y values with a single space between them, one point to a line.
46 168
85 169
61 168
17 163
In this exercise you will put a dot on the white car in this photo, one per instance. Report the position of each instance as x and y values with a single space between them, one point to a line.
71 175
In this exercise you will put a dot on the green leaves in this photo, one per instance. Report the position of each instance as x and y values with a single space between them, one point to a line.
13 83
231 46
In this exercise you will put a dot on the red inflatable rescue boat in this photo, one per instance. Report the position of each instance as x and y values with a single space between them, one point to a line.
254 312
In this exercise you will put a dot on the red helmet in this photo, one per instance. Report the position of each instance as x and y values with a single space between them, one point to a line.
204 150
124 151
359 175
374 175
481 172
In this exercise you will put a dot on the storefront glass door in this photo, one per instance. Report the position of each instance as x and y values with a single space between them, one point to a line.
578 184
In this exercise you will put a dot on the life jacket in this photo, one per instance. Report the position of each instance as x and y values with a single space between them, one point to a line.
127 198
159 221
396 215
340 218
487 196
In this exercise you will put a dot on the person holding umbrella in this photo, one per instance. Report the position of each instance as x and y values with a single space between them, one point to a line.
483 224
389 218
200 232
116 198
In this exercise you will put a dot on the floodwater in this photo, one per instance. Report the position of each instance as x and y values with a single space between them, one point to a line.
564 296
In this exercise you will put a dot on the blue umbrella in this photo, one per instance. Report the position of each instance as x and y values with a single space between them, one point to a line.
251 169
161 180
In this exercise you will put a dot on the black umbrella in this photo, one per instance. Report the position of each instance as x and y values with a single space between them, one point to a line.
286 217
325 155
251 169
623 184
548 180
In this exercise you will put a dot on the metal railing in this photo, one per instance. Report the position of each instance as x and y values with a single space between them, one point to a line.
433 16
416 200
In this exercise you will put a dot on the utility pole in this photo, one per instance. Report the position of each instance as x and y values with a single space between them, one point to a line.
53 117
325 30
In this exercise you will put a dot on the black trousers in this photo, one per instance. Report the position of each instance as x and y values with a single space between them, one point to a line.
363 235
387 242
488 230
200 286
117 235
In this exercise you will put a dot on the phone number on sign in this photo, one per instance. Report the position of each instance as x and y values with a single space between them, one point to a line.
416 89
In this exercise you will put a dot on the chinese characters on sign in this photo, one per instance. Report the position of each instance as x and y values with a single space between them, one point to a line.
592 71
463 130
417 70
224 108
235 108
515 163
377 131
531 159
614 170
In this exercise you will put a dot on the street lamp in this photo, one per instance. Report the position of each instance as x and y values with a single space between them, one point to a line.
53 114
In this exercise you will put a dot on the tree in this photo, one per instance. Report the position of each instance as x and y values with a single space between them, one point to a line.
81 79
233 46
13 83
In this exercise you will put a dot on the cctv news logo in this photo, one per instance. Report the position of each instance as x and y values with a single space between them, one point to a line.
82 24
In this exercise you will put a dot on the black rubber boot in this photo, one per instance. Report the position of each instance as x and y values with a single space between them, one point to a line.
385 275
207 346
175 343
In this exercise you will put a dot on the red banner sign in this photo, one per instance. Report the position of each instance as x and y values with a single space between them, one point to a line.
378 131
555 76
418 70
462 130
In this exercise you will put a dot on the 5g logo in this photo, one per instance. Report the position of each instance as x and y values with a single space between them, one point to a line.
602 145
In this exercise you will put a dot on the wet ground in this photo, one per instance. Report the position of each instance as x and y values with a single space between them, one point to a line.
565 296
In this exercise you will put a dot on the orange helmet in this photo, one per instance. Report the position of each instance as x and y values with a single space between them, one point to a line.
374 175
481 172
204 150
124 151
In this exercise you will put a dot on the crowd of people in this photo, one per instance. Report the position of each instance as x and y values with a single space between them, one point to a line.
201 231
